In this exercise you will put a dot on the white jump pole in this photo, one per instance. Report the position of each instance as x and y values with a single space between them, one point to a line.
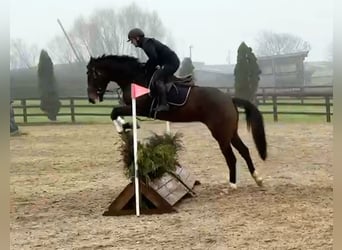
135 151
136 91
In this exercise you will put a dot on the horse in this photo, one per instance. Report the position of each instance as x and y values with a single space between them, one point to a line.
208 105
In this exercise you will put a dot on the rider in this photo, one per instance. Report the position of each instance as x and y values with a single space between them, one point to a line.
158 55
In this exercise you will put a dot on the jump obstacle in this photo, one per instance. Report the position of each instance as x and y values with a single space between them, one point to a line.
157 196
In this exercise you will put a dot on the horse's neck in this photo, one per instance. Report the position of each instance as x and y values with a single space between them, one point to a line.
139 79
131 74
142 80
125 85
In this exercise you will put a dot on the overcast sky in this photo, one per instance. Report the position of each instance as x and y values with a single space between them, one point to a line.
213 27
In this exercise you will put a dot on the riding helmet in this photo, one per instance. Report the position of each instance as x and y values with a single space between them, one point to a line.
136 32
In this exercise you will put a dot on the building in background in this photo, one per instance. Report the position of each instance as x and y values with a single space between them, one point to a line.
281 70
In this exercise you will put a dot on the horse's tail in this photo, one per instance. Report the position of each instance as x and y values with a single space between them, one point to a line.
255 120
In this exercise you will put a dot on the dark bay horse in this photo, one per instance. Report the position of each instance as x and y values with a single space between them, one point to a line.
208 105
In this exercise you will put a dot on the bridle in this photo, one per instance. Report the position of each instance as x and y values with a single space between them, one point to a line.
96 74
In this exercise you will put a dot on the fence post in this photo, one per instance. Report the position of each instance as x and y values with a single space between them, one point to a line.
275 108
72 109
327 108
23 103
301 95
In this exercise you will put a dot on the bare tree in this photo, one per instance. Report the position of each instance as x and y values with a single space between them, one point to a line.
269 43
60 50
81 34
105 32
23 55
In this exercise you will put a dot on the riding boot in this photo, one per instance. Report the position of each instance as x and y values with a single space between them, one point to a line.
163 105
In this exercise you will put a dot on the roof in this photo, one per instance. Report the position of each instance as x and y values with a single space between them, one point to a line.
289 55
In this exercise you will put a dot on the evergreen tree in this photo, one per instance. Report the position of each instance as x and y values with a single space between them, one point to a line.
254 75
186 67
246 73
49 103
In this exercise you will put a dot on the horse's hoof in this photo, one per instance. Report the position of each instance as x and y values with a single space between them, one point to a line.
129 125
233 186
118 126
259 182
257 179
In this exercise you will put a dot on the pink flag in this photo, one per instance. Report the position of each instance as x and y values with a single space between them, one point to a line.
137 90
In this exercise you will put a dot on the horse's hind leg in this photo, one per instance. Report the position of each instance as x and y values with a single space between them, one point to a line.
244 152
231 161
224 142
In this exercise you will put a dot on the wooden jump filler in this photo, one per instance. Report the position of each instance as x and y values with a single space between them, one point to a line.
156 197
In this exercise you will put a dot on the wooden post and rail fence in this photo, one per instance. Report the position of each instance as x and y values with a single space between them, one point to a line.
269 98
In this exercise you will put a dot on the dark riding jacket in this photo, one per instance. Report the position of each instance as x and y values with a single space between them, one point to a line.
158 54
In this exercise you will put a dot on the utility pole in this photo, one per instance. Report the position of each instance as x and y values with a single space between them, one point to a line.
70 43
228 57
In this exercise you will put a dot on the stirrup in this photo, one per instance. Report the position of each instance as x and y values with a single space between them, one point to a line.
164 107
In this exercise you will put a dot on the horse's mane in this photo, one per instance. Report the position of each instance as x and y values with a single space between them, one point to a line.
116 58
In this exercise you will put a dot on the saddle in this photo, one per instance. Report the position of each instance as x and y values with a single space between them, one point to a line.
187 80
174 81
177 91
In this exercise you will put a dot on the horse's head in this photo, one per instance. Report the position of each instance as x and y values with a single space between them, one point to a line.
121 69
98 79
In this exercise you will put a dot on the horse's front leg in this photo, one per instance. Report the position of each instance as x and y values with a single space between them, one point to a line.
116 116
